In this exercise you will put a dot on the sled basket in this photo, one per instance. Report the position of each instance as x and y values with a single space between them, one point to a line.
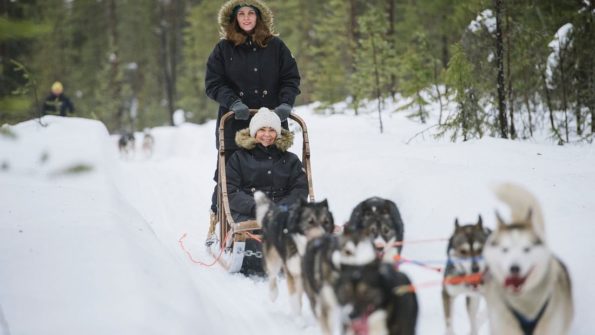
239 247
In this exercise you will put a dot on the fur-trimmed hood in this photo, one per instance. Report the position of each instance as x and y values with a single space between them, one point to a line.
245 141
266 15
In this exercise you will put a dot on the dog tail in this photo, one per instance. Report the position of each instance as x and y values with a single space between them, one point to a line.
262 205
522 203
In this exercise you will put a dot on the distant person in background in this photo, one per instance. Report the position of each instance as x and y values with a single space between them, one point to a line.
249 68
57 102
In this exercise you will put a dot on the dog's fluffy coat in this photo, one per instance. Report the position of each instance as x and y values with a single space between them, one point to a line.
372 295
380 220
464 259
527 289
285 235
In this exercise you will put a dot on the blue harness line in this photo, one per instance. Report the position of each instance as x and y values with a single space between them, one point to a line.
527 325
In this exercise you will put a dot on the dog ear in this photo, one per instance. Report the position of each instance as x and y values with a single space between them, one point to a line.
501 223
457 225
529 216
479 221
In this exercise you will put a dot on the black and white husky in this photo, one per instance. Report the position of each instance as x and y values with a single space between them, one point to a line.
380 220
285 235
373 297
463 270
527 288
320 271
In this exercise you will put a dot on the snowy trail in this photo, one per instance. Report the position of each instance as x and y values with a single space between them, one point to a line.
99 253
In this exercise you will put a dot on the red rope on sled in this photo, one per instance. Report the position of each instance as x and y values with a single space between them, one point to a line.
181 241
252 236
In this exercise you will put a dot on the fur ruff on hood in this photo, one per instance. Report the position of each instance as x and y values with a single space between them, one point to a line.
225 26
245 141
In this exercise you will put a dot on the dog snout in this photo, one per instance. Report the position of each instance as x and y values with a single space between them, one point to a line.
475 268
515 269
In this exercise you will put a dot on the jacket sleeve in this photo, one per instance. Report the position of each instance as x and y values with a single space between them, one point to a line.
217 87
69 107
298 187
289 76
239 201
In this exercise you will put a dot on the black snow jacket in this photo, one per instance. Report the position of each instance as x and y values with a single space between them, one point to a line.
260 77
57 104
272 170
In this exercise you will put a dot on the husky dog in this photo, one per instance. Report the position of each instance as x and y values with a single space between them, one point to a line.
126 144
285 235
148 143
380 220
373 297
320 270
527 289
464 259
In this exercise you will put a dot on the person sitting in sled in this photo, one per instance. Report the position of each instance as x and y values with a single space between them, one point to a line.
250 67
263 164
57 102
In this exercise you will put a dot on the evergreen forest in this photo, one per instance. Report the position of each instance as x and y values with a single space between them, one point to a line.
510 67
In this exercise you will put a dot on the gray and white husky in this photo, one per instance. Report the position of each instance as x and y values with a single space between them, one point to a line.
464 266
286 233
527 288
380 220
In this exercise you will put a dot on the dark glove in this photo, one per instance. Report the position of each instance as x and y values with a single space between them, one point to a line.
283 111
242 112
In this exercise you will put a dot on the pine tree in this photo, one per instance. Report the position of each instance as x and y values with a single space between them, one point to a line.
374 59
469 116
417 69
18 86
329 54
200 36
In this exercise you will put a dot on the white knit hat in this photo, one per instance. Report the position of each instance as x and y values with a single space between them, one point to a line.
265 118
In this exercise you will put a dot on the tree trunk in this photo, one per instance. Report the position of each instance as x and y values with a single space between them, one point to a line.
391 40
352 44
550 106
168 40
114 82
500 66
564 94
529 114
513 134
377 81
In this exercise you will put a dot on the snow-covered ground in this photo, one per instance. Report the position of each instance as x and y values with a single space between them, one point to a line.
94 243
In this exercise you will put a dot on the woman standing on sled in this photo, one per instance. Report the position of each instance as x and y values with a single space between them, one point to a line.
249 68
264 164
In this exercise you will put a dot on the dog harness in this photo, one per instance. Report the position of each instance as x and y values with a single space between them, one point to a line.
528 326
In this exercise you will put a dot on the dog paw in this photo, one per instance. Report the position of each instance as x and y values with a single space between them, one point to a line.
273 292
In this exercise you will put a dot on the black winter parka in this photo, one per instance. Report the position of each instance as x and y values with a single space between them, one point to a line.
57 104
260 77
272 170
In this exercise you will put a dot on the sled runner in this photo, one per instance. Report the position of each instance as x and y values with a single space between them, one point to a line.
239 243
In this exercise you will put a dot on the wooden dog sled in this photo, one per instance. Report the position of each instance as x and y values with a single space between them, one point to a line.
238 247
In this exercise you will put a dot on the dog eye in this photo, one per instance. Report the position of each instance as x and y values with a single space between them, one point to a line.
526 249
504 250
